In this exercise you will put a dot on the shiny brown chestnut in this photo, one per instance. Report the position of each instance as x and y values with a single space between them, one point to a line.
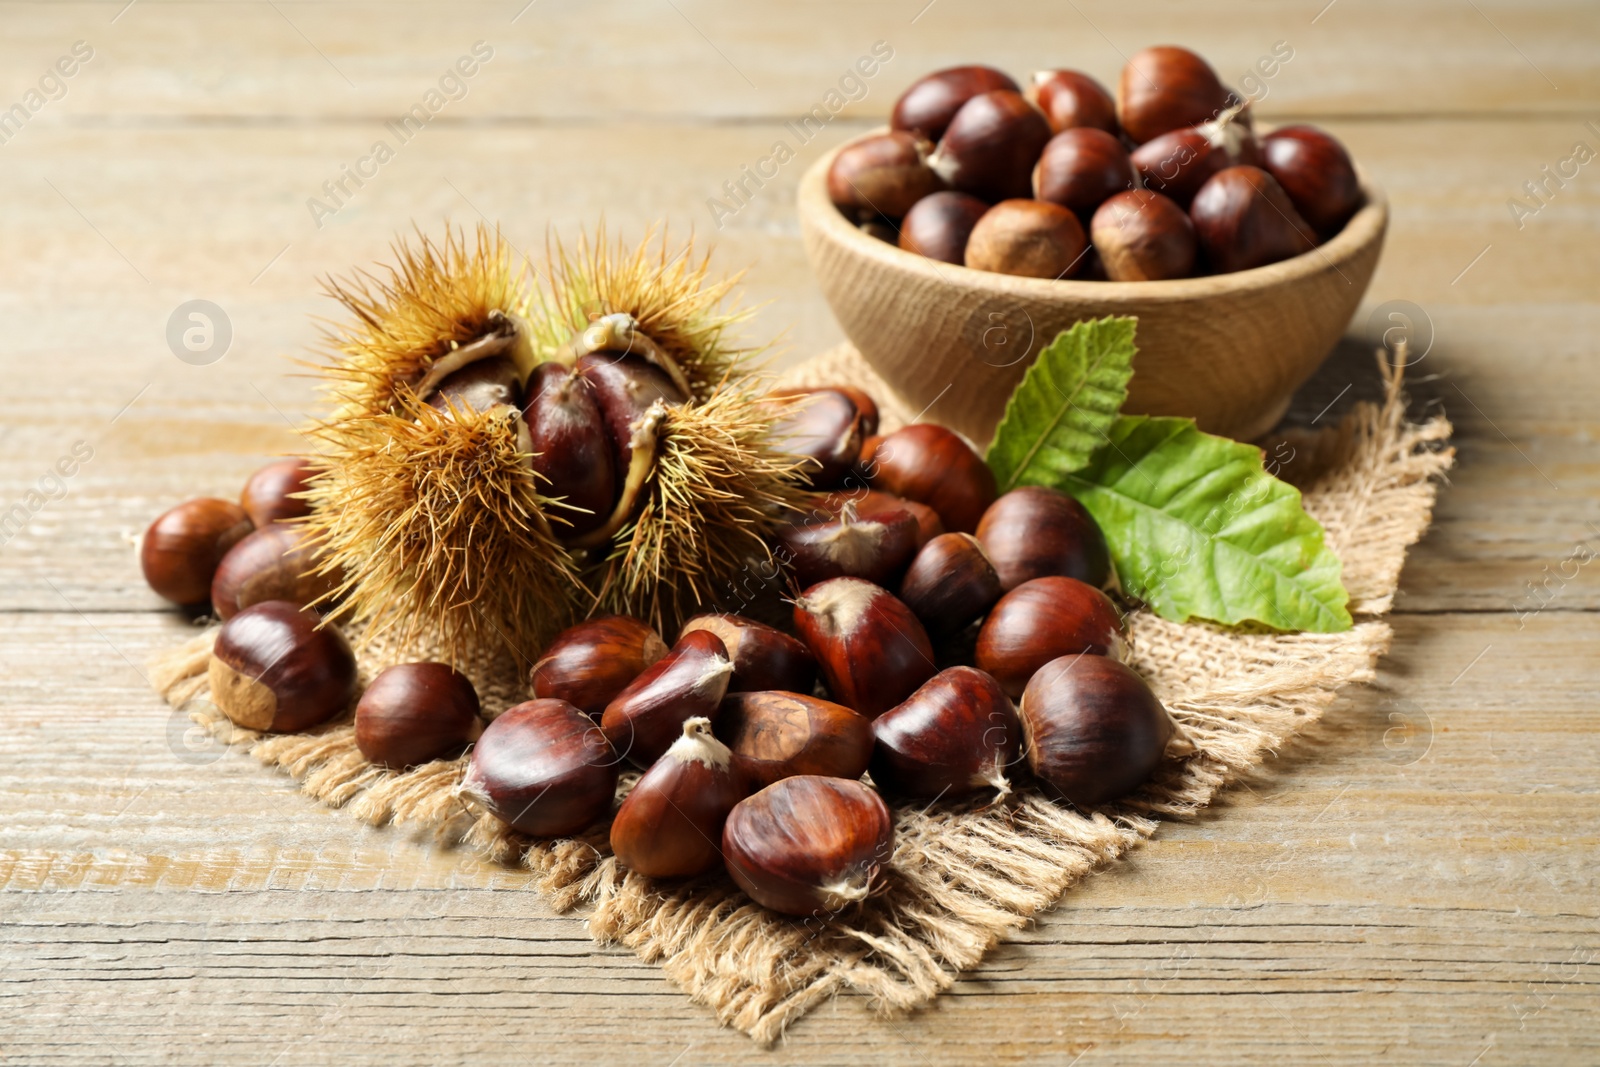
991 146
934 466
275 668
875 549
823 425
939 225
950 584
481 385
590 663
1244 219
182 548
624 388
933 100
272 563
1041 620
872 650
870 504
572 451
1142 236
416 712
808 845
881 175
1178 163
670 823
643 720
269 494
1094 730
1037 532
777 735
763 657
1071 100
1027 238
955 735
866 407
1316 172
544 768
1166 88
1080 168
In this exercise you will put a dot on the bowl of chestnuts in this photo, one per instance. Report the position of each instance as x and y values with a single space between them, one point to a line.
990 216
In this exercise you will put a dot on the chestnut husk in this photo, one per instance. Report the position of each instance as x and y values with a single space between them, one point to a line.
872 650
956 735
1044 619
808 845
763 656
590 663
1094 730
643 720
777 735
544 768
670 823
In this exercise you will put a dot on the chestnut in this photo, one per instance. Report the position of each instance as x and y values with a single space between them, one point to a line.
416 712
182 548
572 453
646 717
928 105
271 563
872 650
1080 168
763 657
1316 172
670 823
950 584
1071 100
624 388
269 494
1178 163
935 466
1027 238
481 385
991 146
1244 219
777 735
955 735
875 549
881 175
824 426
590 663
1036 532
808 844
1166 88
544 768
1094 730
1041 620
1142 236
866 407
274 667
870 504
939 225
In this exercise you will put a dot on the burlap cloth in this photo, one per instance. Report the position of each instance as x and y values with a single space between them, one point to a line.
963 876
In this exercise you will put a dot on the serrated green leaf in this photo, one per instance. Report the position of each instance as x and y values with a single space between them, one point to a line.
1065 404
1198 529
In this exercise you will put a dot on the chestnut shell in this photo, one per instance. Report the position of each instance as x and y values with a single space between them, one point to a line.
275 668
544 768
271 563
957 734
931 101
1036 532
763 656
590 663
670 823
934 466
776 735
181 549
415 712
266 495
1041 620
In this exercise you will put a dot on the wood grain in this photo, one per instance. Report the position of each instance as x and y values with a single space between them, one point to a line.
1413 882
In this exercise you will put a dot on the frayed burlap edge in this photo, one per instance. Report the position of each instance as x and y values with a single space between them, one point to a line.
962 876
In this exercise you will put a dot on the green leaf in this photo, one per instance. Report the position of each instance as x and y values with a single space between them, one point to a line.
1065 404
1198 529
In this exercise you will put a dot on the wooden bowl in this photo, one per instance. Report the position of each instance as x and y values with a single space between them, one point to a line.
1227 349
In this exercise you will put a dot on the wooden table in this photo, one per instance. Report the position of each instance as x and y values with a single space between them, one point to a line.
1414 882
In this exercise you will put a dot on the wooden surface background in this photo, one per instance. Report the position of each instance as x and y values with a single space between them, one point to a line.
1415 882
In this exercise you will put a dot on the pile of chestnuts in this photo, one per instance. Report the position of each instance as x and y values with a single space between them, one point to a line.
945 639
1169 180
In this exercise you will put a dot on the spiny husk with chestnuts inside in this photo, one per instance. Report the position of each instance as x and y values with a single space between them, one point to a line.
431 511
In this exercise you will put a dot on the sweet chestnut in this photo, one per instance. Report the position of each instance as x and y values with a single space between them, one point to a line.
416 712
544 768
276 667
1041 620
182 548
